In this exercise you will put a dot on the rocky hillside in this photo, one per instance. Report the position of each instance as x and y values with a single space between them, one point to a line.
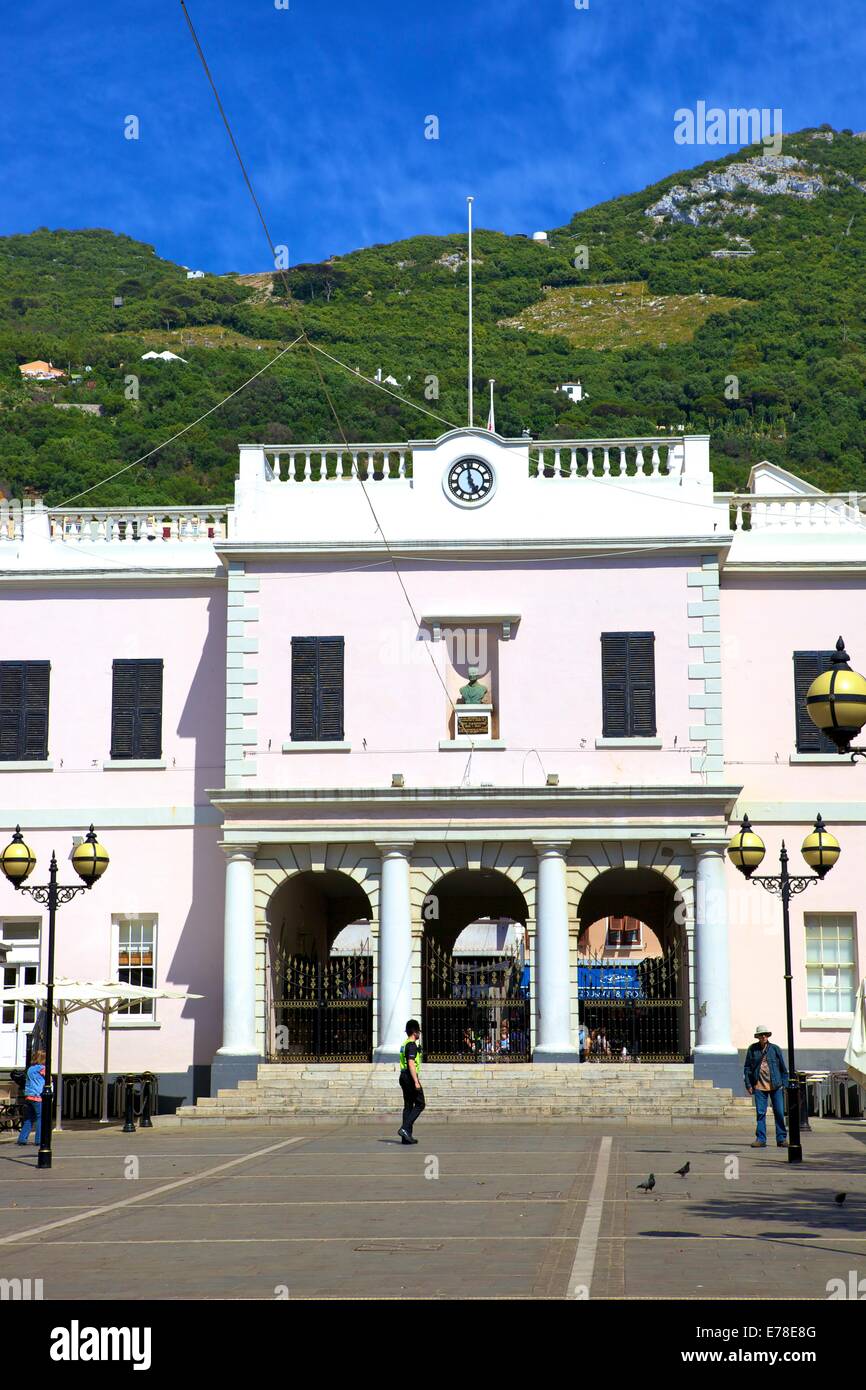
727 299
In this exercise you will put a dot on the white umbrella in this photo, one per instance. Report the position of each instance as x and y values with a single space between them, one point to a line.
855 1053
107 996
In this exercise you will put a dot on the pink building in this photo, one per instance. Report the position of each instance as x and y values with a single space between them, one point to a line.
398 690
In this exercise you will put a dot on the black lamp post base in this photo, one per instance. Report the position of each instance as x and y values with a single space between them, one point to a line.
795 1153
43 1158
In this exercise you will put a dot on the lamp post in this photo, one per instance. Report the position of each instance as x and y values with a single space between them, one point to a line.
18 861
836 703
820 850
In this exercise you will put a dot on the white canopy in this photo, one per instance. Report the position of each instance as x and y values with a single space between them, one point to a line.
107 996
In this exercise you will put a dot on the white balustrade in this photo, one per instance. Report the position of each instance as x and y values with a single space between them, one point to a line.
821 511
135 525
333 462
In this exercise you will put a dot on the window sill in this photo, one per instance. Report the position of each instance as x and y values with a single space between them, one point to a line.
479 744
628 743
134 764
28 765
841 759
120 1025
318 746
827 1023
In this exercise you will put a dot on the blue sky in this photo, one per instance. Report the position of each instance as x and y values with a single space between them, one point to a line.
543 109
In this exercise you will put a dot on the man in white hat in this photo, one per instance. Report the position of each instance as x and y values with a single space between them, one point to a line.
766 1076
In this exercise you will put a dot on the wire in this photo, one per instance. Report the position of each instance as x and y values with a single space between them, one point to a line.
295 308
185 430
371 381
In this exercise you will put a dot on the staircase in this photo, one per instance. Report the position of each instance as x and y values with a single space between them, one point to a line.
645 1093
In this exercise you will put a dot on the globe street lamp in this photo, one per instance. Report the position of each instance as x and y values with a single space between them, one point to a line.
89 860
820 850
836 703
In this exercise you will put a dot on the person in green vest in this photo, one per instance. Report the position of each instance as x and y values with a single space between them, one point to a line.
410 1080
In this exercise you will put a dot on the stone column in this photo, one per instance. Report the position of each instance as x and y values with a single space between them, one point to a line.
395 950
554 1042
715 1055
239 1055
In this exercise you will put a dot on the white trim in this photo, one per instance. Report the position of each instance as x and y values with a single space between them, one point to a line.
118 1023
838 1023
829 758
447 745
134 764
34 765
628 743
318 746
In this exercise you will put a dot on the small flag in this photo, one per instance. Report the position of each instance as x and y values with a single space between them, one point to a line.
491 418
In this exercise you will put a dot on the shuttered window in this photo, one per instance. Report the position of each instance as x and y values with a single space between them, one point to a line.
136 709
317 689
628 688
808 665
24 711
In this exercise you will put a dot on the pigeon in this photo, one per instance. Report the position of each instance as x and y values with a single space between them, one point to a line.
685 1168
839 1198
648 1185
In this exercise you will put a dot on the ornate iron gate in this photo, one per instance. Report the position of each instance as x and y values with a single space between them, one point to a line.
323 1011
633 1011
475 1010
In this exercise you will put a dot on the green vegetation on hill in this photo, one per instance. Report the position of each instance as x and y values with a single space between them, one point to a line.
765 352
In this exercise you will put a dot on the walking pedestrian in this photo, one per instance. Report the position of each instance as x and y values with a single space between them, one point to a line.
34 1085
410 1080
766 1075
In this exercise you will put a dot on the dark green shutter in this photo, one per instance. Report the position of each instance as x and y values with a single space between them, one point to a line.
136 709
628 685
304 683
35 734
642 685
614 684
149 730
24 689
330 701
808 665
317 689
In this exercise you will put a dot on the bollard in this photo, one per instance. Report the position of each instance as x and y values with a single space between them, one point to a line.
129 1126
145 1122
804 1103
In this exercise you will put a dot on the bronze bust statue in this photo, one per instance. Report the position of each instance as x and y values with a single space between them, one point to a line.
474 693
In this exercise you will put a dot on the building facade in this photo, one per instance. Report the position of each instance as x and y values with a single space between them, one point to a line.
397 690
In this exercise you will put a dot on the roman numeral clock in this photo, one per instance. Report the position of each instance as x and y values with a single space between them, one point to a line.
469 482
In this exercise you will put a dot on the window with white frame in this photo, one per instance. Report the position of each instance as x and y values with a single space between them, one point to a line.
136 960
831 963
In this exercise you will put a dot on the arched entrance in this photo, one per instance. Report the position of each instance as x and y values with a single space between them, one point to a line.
632 991
474 983
321 970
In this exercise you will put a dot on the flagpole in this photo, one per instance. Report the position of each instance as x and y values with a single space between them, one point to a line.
491 419
469 202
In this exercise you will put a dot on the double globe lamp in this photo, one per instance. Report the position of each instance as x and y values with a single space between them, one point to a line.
89 860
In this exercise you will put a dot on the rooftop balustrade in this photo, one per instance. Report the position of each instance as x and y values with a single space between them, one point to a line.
824 511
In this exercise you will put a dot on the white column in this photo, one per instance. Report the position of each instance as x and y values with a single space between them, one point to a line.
395 950
552 991
712 967
239 955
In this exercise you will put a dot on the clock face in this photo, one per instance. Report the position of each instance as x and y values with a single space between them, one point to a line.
470 480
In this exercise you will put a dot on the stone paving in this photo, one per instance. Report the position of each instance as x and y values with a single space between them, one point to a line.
346 1211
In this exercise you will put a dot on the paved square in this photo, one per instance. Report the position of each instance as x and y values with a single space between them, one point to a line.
497 1209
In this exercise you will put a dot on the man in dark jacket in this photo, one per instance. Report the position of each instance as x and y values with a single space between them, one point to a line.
766 1076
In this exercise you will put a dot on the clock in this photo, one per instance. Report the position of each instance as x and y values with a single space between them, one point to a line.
470 481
